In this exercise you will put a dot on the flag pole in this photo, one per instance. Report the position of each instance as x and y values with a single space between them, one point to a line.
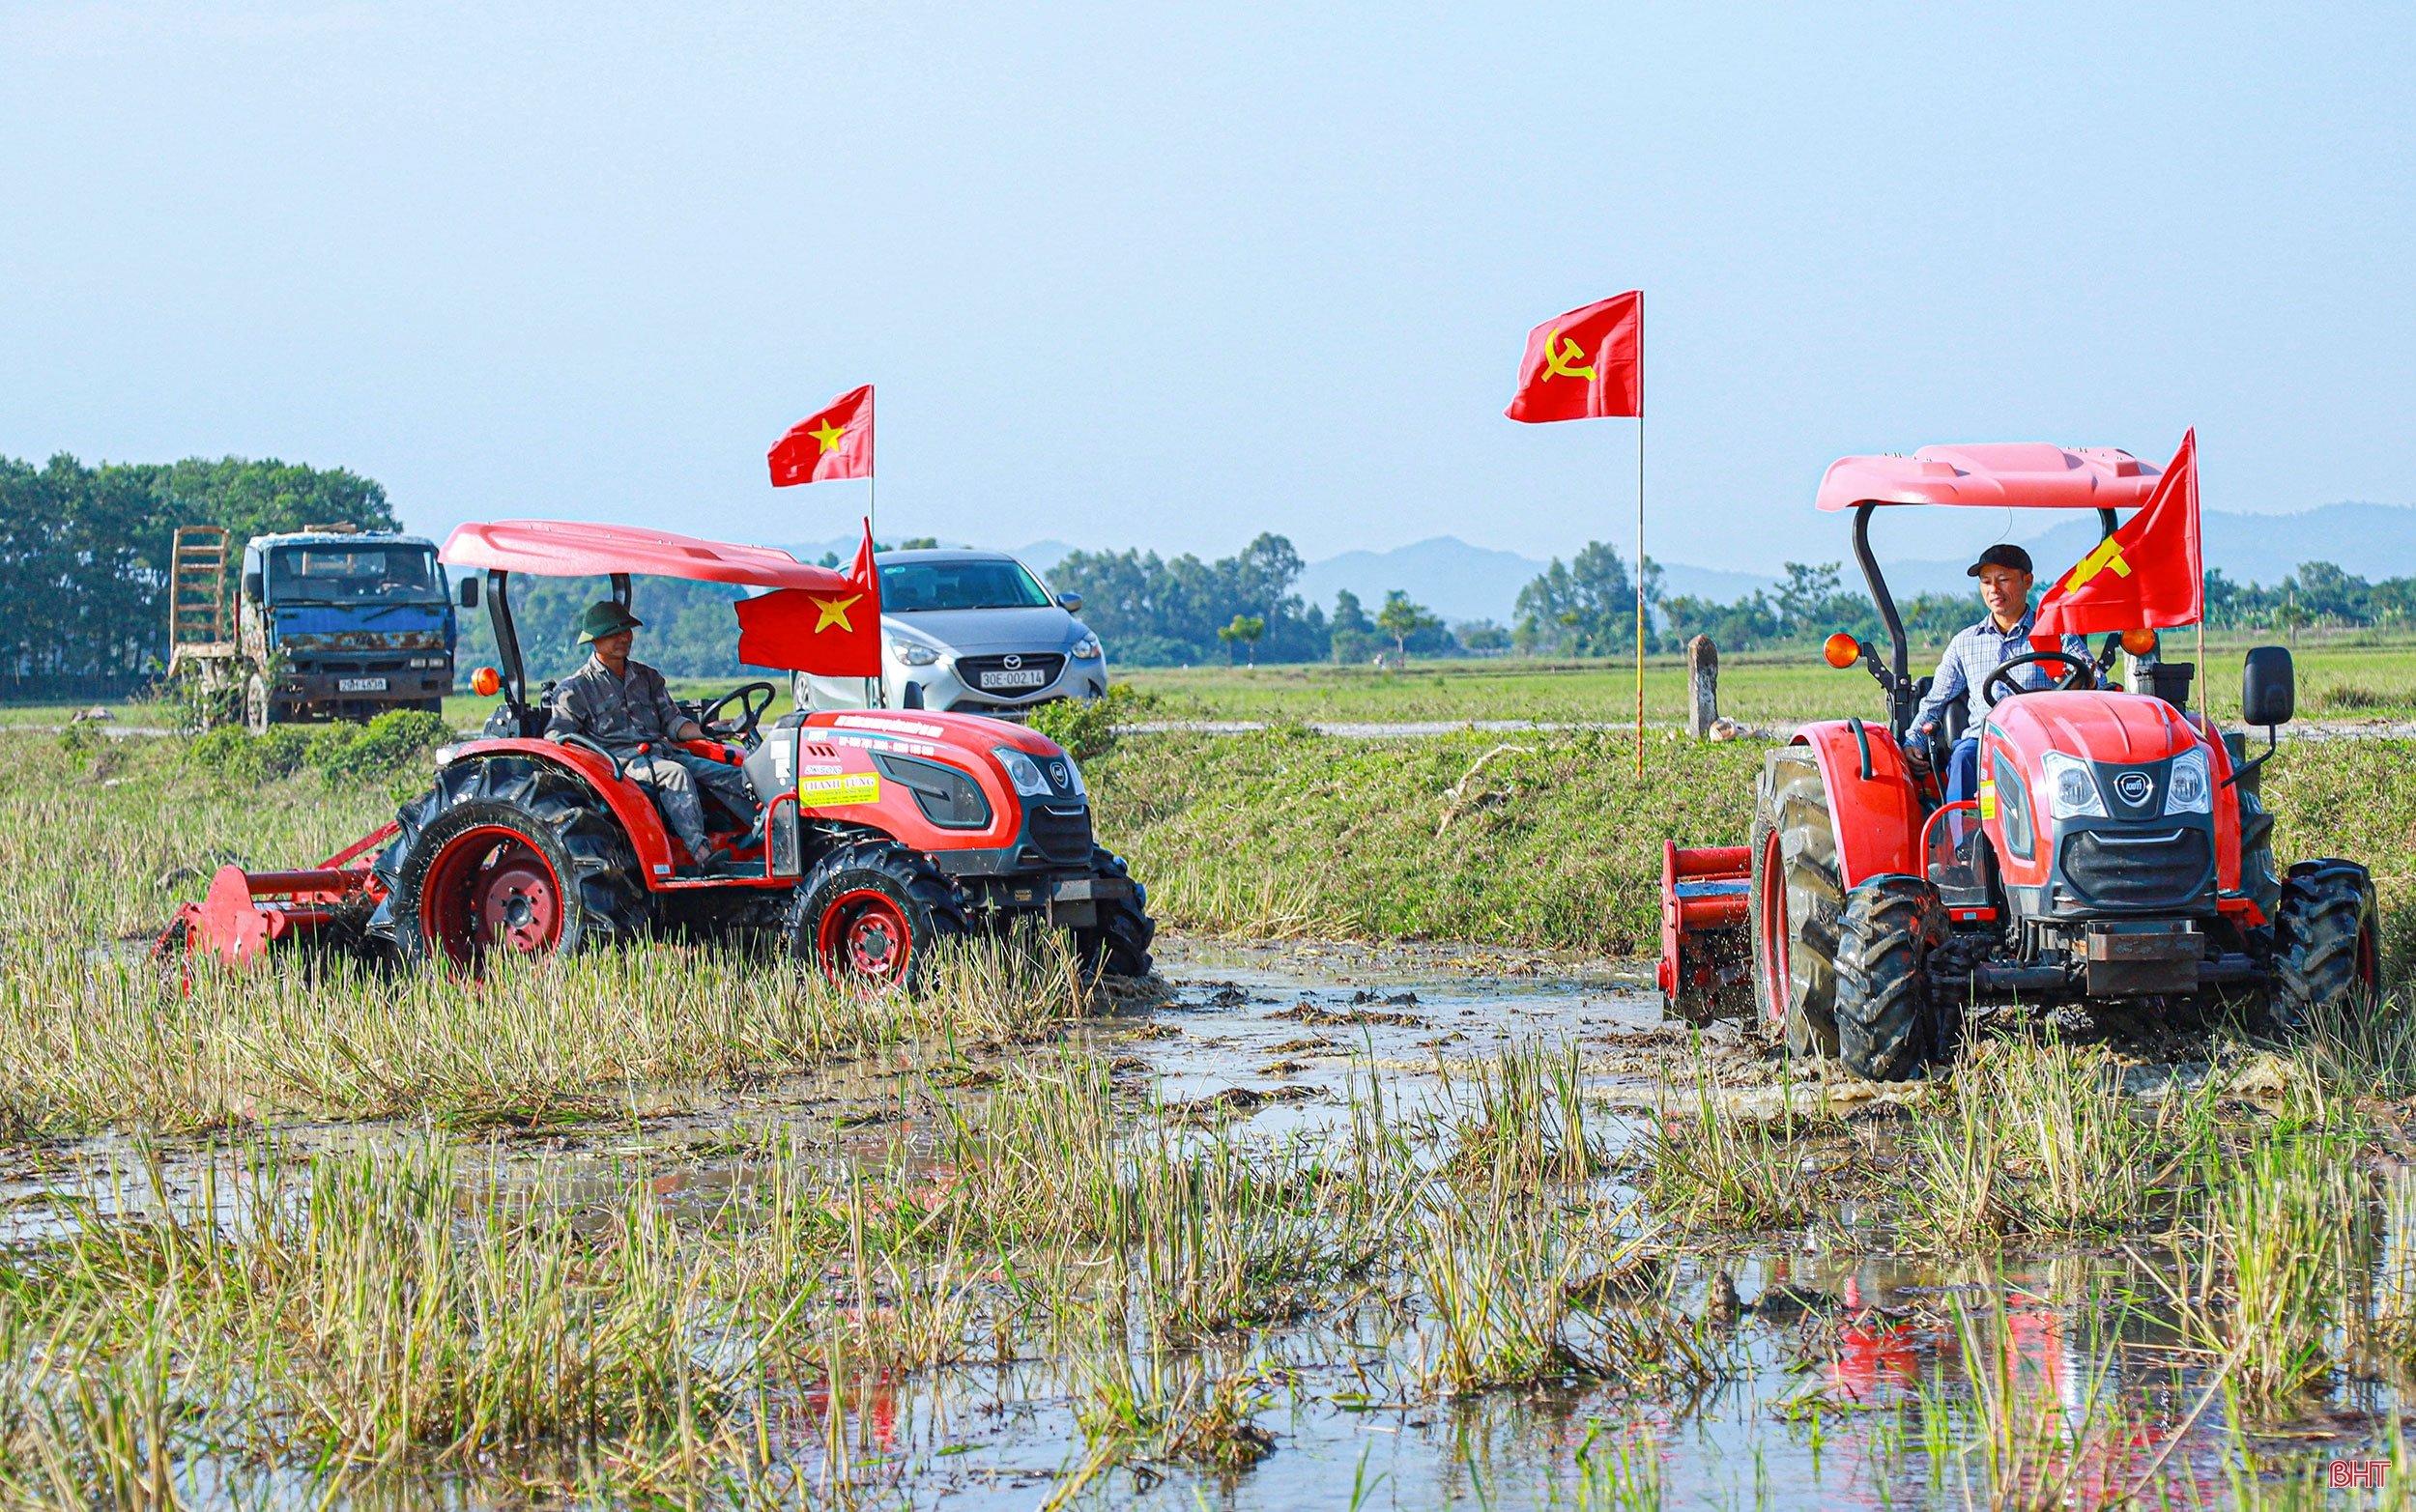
1640 534
880 698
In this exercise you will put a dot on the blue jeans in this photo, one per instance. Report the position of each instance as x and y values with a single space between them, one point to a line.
1963 784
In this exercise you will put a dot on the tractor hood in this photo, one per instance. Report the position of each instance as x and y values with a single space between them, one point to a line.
2121 727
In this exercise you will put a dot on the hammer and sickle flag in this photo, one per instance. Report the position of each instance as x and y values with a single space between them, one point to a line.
1585 365
2149 575
835 442
832 631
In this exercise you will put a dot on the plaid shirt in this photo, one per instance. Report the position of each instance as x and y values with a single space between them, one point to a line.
1975 652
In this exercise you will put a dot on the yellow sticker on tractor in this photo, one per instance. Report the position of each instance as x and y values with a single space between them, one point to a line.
1988 799
839 792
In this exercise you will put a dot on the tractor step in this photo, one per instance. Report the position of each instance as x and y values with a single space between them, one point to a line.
1705 970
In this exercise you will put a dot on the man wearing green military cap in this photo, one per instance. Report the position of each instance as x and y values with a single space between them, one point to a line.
625 708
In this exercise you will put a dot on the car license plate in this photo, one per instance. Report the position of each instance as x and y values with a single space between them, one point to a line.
1021 677
361 685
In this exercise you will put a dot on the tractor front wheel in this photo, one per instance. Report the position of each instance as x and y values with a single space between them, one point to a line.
870 912
1883 1005
1119 944
2327 947
1792 903
507 854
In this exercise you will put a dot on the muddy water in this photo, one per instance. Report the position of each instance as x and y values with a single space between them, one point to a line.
1833 1352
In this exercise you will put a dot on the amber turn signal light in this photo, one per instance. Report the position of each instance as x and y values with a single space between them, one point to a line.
2139 642
1842 650
486 682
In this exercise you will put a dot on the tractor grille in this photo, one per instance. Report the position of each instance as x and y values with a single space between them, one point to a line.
2139 869
1062 835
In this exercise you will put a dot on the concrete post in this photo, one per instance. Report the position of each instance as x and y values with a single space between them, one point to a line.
1703 682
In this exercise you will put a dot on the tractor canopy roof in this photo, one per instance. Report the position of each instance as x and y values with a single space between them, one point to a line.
568 549
2001 475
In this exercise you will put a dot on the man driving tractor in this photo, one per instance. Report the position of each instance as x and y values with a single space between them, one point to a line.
625 708
1976 652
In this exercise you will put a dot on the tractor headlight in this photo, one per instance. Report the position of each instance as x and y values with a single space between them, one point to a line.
2188 791
1086 649
2072 788
1022 771
913 653
1073 779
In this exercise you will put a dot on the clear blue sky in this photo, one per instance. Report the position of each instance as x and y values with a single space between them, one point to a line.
1169 275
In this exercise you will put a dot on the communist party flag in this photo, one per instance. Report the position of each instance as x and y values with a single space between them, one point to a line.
829 634
2147 576
1585 365
835 442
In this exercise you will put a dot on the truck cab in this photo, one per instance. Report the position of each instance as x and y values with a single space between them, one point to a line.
343 624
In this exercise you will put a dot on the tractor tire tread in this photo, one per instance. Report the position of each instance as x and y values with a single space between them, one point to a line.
1119 945
922 884
2325 943
1882 1003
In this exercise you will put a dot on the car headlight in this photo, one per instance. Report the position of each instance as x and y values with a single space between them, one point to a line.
1086 648
1022 771
2072 788
2189 790
913 653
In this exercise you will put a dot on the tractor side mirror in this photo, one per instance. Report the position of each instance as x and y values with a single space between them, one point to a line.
2268 687
466 592
253 586
1071 603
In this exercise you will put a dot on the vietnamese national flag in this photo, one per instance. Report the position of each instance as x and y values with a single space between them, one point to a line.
833 442
1585 365
2147 576
827 634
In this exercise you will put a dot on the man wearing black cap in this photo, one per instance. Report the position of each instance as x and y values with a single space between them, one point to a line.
625 708
2005 574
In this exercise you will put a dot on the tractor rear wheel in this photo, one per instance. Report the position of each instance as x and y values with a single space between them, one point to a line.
870 912
507 854
1794 901
2327 945
1119 944
1883 1005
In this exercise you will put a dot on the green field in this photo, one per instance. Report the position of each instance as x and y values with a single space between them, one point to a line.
2337 680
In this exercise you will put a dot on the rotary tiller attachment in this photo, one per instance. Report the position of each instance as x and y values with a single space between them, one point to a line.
1706 954
246 914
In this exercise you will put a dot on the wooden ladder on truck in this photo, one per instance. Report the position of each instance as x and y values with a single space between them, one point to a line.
199 635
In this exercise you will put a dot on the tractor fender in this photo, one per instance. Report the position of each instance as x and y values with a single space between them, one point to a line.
634 812
1877 819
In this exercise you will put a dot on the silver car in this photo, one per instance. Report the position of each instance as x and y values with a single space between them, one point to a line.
973 632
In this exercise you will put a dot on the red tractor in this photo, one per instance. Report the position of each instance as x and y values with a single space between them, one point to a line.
883 832
2117 859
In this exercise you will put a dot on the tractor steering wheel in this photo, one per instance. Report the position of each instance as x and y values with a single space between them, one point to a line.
2079 672
750 711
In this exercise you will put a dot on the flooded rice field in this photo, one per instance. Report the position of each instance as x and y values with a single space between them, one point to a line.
1312 1225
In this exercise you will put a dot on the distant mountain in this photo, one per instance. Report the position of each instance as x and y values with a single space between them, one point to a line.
1445 573
2373 541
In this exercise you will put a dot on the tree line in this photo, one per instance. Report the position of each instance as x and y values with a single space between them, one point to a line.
84 549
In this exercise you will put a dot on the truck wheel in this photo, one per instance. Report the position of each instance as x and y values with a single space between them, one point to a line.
1119 945
506 854
257 708
2327 945
871 911
1883 1005
1792 903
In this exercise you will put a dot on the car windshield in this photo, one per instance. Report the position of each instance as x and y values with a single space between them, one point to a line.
350 574
910 586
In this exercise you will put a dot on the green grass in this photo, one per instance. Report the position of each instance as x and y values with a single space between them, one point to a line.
1555 842
2339 679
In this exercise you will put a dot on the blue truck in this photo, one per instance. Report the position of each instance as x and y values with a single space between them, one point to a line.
329 623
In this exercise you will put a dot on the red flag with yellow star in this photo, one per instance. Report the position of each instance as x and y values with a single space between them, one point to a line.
835 633
835 442
1585 365
2149 575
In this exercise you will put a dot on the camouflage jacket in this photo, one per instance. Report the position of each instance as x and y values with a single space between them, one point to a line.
618 713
